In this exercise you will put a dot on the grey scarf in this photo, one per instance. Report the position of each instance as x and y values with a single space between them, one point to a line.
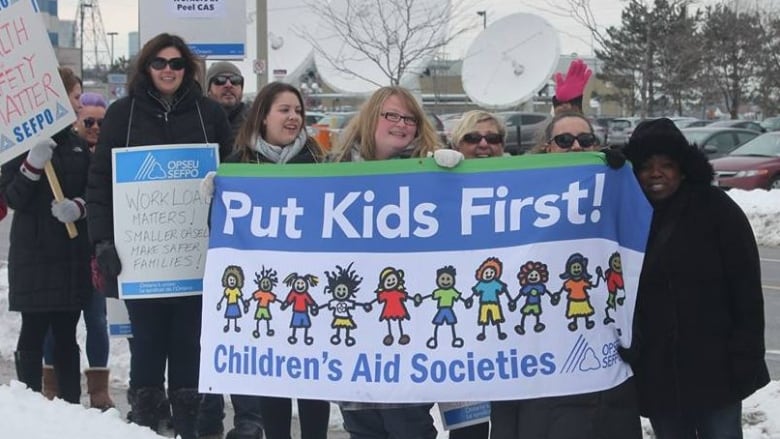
281 154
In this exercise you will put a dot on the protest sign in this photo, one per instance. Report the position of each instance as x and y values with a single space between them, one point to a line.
118 320
33 101
397 281
160 220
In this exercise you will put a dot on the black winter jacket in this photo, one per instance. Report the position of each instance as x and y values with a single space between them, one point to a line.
47 271
143 118
700 306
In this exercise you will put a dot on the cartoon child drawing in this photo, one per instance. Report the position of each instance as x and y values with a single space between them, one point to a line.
533 276
576 284
445 296
266 280
489 289
302 303
391 292
343 284
232 281
614 280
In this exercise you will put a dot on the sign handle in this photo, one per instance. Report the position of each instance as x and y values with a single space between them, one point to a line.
54 183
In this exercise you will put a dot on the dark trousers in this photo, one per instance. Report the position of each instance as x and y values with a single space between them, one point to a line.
165 331
66 351
94 312
723 423
277 417
412 422
476 431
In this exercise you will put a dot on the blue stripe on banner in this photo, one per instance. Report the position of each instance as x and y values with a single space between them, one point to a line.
120 329
162 165
464 414
218 49
413 212
162 287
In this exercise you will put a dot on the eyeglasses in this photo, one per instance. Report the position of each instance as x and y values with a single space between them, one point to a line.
221 80
395 117
90 121
566 140
491 138
174 63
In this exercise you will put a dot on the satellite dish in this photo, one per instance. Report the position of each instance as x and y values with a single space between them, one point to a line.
349 70
289 50
510 61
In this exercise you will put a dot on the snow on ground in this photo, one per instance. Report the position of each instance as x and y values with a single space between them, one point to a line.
22 411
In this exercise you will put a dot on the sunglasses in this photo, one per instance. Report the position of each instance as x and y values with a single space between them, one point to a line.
221 80
566 140
174 63
491 138
395 117
90 121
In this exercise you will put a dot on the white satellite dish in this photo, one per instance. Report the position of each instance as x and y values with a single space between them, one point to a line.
510 61
346 69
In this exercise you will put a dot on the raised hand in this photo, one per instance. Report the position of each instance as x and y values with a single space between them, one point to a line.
573 84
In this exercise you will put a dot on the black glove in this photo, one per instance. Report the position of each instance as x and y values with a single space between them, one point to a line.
107 259
614 158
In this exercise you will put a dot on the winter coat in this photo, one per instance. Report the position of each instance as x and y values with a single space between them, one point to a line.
143 118
236 116
700 308
47 270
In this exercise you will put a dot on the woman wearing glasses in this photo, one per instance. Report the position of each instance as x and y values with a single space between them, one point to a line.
608 414
391 124
93 110
165 105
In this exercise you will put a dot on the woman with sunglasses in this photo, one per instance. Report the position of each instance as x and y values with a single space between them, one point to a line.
87 126
165 105
390 124
607 414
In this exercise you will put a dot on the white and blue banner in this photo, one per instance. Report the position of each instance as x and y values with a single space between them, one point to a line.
160 220
398 281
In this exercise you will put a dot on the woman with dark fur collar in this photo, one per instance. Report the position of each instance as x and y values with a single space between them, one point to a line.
699 344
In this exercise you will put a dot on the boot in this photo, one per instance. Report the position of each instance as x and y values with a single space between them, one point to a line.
185 405
29 367
97 387
50 387
68 370
146 403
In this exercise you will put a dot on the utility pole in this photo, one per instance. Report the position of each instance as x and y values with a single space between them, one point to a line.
111 59
261 34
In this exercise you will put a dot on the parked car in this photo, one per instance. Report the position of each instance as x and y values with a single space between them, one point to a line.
718 141
735 123
620 130
523 130
312 117
682 121
329 127
771 123
699 123
754 165
601 128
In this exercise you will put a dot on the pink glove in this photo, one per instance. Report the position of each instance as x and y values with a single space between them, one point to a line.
573 85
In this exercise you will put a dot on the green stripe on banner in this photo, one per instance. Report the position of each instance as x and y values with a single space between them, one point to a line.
528 161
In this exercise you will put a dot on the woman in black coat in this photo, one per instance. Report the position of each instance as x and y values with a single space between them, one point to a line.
165 106
700 311
48 273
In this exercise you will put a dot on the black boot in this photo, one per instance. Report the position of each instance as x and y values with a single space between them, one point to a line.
29 367
185 405
146 403
68 370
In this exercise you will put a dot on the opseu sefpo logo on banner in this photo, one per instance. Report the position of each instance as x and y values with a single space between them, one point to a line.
154 169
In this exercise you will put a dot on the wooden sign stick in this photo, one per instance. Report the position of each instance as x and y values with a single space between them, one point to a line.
54 183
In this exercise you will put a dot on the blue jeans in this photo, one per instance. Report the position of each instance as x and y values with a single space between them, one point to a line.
722 423
94 313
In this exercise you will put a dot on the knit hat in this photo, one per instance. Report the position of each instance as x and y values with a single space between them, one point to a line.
656 136
219 68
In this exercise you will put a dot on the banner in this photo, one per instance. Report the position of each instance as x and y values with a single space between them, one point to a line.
160 221
33 101
398 281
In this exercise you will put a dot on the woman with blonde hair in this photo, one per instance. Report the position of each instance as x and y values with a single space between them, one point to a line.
479 134
390 124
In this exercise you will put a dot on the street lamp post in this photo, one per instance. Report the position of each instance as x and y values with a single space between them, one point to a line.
112 35
483 14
